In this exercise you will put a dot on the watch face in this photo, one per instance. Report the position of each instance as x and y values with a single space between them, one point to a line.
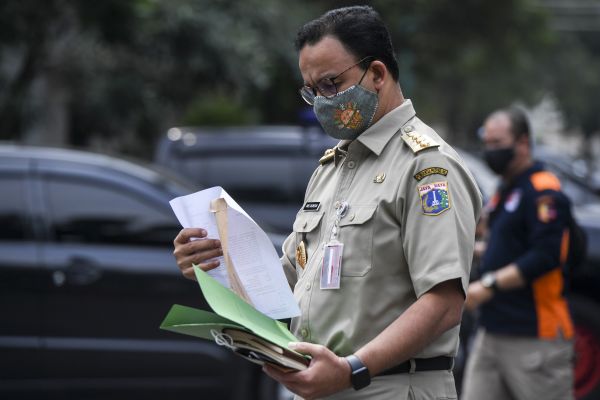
488 280
360 378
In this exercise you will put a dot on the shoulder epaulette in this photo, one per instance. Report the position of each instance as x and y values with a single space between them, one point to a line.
327 156
417 141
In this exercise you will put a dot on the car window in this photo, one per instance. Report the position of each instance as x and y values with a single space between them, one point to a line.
577 192
101 213
13 212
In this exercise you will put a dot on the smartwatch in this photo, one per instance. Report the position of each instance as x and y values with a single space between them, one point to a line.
488 280
360 376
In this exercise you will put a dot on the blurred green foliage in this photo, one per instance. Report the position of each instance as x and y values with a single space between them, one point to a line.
219 110
131 69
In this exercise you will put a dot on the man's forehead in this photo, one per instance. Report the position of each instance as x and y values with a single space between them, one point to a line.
497 125
328 55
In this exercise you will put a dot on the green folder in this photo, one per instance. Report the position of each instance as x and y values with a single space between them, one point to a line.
231 312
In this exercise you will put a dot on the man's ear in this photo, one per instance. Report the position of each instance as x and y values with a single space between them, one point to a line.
524 140
379 74
524 143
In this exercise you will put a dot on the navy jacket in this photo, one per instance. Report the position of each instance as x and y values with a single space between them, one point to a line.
528 226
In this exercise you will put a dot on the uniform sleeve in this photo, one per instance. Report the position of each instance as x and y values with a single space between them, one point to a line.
546 216
438 214
288 260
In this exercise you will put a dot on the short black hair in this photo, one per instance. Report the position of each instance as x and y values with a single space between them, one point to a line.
361 31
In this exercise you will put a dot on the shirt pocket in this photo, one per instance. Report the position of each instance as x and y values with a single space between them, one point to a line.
356 233
306 228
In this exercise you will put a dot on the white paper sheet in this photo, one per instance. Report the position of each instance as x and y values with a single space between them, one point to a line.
251 251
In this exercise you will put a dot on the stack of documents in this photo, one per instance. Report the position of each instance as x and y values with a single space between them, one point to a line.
236 325
245 322
252 254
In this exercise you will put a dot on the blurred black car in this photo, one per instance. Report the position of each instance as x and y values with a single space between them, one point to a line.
86 277
265 168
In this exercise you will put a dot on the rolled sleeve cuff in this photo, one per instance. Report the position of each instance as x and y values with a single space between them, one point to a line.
535 264
426 282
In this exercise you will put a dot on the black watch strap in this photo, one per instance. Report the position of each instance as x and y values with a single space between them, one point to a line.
360 375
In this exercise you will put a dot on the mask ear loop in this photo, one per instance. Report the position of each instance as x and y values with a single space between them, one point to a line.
222 339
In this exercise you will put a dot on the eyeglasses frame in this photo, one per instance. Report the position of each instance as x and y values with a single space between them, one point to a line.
309 93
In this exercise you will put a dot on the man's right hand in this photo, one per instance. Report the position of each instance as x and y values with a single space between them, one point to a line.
200 252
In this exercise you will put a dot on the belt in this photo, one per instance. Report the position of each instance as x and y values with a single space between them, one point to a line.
421 364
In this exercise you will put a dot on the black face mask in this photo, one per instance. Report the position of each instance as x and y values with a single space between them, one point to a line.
498 159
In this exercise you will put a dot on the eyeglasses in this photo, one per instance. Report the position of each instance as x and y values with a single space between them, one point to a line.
327 86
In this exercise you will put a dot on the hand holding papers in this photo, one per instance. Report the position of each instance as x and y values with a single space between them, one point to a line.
236 325
251 253
251 269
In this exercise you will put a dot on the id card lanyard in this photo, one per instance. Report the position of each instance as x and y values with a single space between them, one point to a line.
331 268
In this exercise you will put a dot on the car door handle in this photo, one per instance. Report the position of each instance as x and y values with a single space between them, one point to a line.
80 272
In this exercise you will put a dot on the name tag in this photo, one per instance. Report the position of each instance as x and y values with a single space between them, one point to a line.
312 206
331 268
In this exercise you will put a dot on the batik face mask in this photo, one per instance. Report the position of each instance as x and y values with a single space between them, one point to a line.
347 114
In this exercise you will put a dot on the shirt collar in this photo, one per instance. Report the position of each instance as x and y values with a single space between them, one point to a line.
377 136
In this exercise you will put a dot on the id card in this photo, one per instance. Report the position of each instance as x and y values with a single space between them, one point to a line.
332 265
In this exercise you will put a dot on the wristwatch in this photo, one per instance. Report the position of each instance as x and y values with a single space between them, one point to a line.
488 280
360 377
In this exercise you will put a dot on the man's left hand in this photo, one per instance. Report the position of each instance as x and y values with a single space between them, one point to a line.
326 374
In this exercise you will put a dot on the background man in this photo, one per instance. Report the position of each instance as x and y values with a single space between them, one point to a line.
523 348
385 318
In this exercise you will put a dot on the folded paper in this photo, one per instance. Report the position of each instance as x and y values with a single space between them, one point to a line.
236 325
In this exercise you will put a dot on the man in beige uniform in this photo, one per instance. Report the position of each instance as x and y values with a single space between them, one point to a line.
396 204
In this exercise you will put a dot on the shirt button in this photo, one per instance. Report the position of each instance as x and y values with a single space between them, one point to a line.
305 224
352 217
304 332
351 164
308 286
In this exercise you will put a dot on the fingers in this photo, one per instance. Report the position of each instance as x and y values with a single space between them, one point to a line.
197 255
307 348
201 252
189 273
186 234
319 379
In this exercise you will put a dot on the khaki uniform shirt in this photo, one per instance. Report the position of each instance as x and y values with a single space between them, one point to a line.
397 243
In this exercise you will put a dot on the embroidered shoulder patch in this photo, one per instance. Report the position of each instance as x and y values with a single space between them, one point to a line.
546 209
430 171
435 197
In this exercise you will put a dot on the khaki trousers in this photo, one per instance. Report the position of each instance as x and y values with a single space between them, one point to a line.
427 385
502 367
